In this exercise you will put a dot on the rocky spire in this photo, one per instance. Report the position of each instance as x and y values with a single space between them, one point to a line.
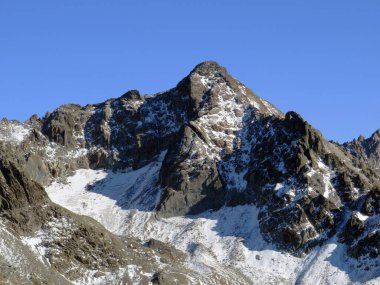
376 136
209 67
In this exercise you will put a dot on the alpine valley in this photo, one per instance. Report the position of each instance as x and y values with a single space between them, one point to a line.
205 183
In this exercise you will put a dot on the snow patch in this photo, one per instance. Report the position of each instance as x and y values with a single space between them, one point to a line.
361 216
108 196
13 132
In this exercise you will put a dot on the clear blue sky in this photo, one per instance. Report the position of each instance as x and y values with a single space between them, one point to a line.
319 58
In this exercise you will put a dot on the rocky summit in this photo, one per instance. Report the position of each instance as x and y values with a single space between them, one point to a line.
205 183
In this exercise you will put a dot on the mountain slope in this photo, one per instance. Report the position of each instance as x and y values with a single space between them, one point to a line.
226 245
215 171
43 243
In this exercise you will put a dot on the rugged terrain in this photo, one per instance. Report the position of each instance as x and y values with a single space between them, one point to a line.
205 183
368 150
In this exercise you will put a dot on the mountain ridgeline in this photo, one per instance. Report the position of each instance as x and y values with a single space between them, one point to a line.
222 146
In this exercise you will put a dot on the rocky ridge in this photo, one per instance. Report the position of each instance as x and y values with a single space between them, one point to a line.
367 150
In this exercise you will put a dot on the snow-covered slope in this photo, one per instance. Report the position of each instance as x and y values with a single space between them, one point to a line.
13 132
108 196
227 241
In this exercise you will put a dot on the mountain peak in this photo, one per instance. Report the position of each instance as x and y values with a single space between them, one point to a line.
132 95
208 67
376 135
361 138
262 186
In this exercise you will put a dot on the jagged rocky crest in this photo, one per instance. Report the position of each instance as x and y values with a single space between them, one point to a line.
367 150
223 145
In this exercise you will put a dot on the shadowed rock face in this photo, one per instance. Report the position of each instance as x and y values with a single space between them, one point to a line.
190 187
62 127
224 146
20 198
27 209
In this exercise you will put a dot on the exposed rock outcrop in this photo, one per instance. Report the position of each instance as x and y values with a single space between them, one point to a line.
367 150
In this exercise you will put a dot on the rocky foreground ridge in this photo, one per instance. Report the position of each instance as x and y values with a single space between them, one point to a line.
221 146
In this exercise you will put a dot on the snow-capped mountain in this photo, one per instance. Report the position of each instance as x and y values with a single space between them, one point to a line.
205 183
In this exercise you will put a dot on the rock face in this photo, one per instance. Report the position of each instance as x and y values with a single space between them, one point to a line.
21 199
367 150
222 146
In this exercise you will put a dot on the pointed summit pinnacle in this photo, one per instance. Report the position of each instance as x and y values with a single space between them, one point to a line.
376 135
208 67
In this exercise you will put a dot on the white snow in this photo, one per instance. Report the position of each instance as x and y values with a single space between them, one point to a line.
51 151
226 127
58 229
13 132
108 278
226 241
282 189
50 231
7 247
19 254
105 195
278 186
228 116
216 240
327 175
361 216
160 113
311 172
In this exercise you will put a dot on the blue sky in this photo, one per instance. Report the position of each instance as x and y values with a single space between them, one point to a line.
319 58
